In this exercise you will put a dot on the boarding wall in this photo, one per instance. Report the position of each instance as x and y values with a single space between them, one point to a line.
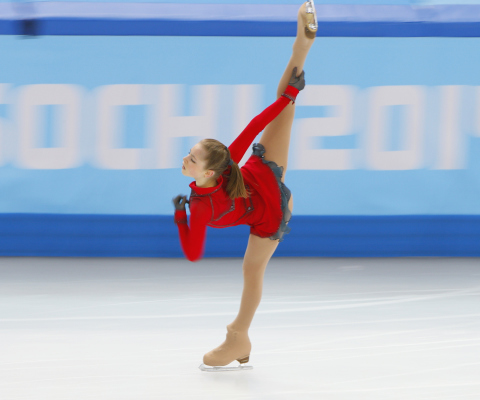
385 150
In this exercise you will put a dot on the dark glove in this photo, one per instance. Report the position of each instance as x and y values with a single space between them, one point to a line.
298 82
179 202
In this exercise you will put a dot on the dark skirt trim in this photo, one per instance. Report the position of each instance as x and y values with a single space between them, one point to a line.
285 193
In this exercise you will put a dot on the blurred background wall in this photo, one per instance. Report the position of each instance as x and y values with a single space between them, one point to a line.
100 101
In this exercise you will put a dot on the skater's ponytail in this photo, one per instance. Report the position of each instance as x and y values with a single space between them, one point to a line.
236 187
218 160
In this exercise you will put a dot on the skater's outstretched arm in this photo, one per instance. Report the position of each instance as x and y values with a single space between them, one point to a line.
243 142
192 239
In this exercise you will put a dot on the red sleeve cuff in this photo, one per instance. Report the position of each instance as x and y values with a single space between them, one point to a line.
180 217
292 91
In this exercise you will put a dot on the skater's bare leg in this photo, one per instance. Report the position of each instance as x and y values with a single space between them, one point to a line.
237 344
258 254
276 136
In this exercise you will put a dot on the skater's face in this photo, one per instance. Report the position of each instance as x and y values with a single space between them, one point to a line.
194 164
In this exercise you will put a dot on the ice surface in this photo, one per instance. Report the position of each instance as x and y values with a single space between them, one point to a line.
335 329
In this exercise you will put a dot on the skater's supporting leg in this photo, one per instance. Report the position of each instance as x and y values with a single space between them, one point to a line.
237 344
276 136
258 254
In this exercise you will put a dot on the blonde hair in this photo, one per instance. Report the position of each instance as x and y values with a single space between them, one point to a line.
217 160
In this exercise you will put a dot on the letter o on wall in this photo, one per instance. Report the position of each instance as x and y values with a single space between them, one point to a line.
67 125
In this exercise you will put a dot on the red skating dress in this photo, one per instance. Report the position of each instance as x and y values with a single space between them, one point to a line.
265 208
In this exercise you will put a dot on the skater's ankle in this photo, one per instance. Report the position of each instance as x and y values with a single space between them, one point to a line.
236 328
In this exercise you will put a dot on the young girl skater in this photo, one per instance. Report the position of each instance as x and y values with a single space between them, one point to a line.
224 195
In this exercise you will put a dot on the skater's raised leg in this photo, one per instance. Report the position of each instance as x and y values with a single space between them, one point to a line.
276 136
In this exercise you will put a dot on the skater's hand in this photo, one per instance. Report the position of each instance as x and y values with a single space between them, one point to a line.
297 82
179 202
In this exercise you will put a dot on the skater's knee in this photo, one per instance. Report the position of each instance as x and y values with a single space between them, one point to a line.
253 272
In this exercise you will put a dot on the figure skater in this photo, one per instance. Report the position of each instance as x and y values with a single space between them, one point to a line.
224 195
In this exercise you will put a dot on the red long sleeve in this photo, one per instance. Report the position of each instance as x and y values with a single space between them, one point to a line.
192 239
243 142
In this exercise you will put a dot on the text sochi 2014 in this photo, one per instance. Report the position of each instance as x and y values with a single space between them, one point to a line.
431 130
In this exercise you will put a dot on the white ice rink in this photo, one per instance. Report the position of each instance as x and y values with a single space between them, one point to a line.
330 329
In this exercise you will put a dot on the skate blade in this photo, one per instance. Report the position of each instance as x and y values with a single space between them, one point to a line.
240 367
312 21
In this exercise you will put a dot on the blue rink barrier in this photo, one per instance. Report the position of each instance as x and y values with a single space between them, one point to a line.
170 19
311 236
